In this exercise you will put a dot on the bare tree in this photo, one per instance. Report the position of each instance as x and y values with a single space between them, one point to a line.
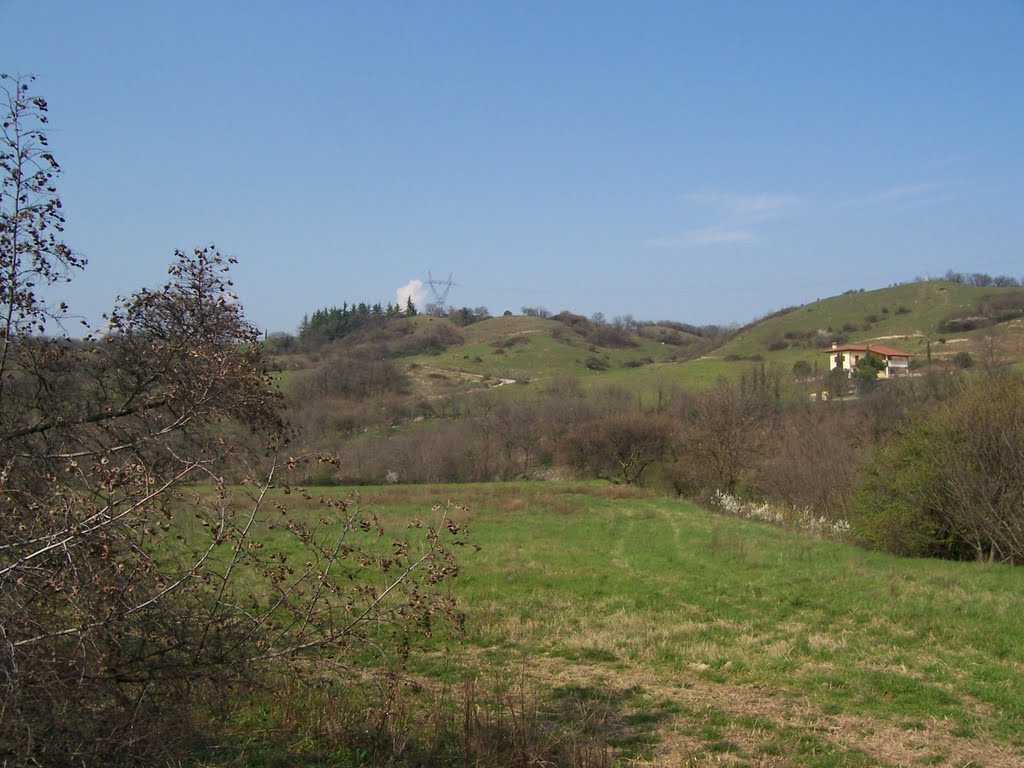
137 581
991 349
618 448
32 256
728 433
811 459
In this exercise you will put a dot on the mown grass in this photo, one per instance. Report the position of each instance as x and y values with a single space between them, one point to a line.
686 638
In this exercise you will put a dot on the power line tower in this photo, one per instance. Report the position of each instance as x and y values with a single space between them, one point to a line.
440 290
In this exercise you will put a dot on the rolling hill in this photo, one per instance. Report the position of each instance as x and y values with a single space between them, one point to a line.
930 319
909 317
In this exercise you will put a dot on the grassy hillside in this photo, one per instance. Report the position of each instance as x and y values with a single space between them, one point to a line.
906 317
446 360
533 349
666 635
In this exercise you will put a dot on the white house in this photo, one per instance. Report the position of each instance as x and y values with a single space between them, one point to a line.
847 356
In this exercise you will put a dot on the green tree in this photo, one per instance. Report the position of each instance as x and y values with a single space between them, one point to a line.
837 383
866 374
963 360
802 369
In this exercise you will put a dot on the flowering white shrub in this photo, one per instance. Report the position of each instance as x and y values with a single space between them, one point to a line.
800 518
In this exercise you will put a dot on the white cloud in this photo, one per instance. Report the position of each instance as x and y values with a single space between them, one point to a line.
902 196
747 207
415 290
703 236
733 218
718 235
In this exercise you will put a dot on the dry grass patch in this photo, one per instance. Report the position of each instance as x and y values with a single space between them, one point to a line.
757 719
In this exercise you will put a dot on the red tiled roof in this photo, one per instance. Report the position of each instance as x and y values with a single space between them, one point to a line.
886 351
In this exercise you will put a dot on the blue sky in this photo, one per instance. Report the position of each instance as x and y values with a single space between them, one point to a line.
706 162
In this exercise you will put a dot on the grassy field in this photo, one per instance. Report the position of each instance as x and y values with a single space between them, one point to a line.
672 636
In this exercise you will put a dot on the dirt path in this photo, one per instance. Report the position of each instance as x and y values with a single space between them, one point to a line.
466 375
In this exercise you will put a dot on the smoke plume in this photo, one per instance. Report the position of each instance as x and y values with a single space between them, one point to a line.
415 290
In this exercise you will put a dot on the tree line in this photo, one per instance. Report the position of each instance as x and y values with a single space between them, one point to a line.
338 322
981 279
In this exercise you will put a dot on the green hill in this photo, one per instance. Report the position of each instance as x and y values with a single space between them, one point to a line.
935 318
534 349
910 317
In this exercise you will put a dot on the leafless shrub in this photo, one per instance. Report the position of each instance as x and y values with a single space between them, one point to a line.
136 585
433 340
352 374
610 336
540 312
619 447
727 433
811 460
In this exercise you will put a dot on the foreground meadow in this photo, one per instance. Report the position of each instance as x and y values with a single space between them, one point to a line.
634 629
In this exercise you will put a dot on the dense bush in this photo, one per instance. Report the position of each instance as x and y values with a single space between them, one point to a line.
963 360
468 315
637 363
433 340
964 324
990 310
510 342
619 448
337 322
353 374
573 320
609 336
952 486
